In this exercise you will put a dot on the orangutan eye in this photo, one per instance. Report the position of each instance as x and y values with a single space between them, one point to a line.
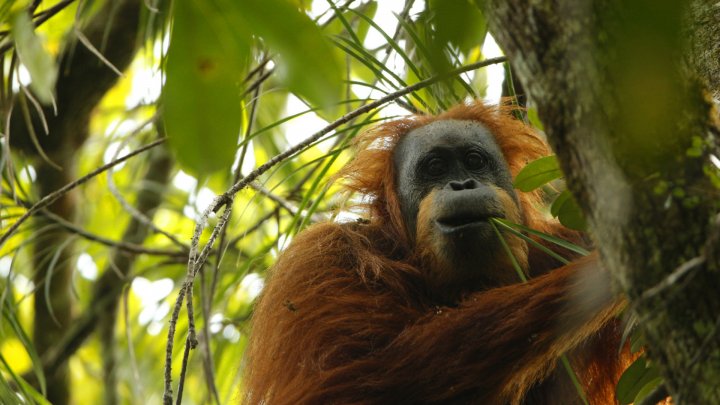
475 160
436 167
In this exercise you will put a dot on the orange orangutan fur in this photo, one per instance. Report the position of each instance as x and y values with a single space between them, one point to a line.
347 315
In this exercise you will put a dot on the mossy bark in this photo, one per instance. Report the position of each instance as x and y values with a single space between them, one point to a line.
621 89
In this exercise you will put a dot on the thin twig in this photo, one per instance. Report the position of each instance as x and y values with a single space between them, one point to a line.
167 395
199 263
120 245
44 15
332 17
256 84
257 68
52 197
339 140
183 369
673 278
195 262
90 47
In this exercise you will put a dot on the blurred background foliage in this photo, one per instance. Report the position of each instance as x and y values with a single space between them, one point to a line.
88 283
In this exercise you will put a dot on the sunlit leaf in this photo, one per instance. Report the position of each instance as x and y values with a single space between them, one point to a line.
532 114
566 209
538 173
202 94
34 56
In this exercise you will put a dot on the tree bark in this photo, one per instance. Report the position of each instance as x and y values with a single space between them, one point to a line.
703 28
633 132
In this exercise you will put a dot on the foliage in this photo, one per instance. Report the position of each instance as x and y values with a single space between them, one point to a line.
541 172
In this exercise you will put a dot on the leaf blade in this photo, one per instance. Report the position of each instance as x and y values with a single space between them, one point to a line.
538 173
635 380
567 210
32 53
202 100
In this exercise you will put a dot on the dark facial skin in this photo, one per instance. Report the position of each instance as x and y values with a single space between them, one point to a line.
459 159
459 167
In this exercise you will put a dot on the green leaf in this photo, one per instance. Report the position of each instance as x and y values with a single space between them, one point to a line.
648 389
363 27
538 173
307 63
202 94
534 118
566 209
635 380
458 22
509 227
552 239
33 55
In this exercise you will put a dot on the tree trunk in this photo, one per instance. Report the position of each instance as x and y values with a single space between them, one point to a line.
53 261
634 132
703 28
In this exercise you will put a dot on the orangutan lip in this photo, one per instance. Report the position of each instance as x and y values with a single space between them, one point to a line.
457 223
